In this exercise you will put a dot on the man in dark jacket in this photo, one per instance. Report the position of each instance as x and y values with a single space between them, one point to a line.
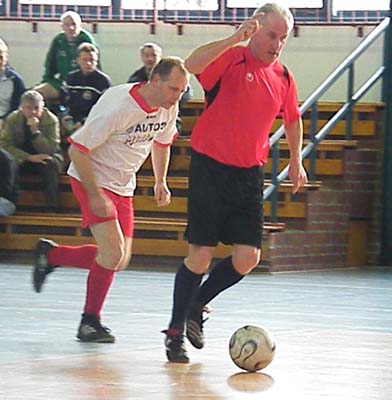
82 88
151 54
32 136
11 85
8 183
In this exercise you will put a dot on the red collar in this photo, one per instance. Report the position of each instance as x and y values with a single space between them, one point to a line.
134 92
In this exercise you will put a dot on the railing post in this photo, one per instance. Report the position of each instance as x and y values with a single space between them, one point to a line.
116 6
313 132
274 182
155 11
386 212
5 8
350 91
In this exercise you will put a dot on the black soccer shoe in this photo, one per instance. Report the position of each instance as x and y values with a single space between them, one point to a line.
41 267
175 347
194 325
92 331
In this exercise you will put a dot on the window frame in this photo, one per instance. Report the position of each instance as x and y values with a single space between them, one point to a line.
289 3
26 10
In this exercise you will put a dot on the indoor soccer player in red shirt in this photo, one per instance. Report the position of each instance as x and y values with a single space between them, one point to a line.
246 87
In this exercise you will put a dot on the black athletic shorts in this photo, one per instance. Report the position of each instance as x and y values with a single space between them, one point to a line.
225 203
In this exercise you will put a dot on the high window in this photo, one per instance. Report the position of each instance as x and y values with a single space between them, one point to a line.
288 3
357 5
202 5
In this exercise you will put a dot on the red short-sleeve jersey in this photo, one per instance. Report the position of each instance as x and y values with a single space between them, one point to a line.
243 98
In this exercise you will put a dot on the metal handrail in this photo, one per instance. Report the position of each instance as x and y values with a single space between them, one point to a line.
312 100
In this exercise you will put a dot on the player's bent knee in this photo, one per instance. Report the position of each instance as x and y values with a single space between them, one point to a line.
199 259
198 263
196 267
111 259
124 263
245 264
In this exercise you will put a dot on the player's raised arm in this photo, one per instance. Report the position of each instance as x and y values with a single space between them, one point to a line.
206 54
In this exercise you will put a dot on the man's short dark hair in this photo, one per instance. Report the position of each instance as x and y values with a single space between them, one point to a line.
166 65
32 97
86 48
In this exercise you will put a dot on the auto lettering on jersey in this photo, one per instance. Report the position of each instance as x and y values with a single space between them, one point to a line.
151 126
131 140
141 133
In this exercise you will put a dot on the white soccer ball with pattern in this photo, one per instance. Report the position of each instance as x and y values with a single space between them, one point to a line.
252 348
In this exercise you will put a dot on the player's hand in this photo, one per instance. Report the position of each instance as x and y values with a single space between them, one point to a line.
162 194
101 205
297 175
249 27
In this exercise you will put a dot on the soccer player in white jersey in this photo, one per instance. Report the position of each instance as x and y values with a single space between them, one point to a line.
127 123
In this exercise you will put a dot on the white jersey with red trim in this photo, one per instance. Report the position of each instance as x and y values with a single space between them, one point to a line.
118 135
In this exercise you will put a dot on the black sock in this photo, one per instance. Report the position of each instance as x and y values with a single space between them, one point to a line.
221 277
185 285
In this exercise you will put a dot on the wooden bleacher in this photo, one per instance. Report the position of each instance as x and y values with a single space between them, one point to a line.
361 127
329 161
153 236
363 118
160 231
144 202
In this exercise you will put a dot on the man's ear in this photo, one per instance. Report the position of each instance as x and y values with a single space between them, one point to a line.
155 78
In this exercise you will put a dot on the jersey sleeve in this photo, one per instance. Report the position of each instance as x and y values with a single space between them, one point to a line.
290 106
215 70
169 134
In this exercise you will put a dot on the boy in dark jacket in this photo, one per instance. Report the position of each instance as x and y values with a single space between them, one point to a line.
82 88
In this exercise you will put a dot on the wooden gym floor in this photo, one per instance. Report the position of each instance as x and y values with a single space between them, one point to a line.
333 331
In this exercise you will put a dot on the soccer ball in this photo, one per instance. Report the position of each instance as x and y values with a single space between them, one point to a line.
252 348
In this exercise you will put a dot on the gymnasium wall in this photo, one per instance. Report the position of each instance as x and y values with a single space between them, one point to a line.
311 56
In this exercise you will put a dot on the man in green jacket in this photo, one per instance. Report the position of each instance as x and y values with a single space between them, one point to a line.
61 57
32 136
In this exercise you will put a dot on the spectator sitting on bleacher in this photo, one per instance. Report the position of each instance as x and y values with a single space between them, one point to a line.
32 136
61 57
151 54
11 85
82 88
8 186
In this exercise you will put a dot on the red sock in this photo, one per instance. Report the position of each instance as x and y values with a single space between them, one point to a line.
73 256
98 284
